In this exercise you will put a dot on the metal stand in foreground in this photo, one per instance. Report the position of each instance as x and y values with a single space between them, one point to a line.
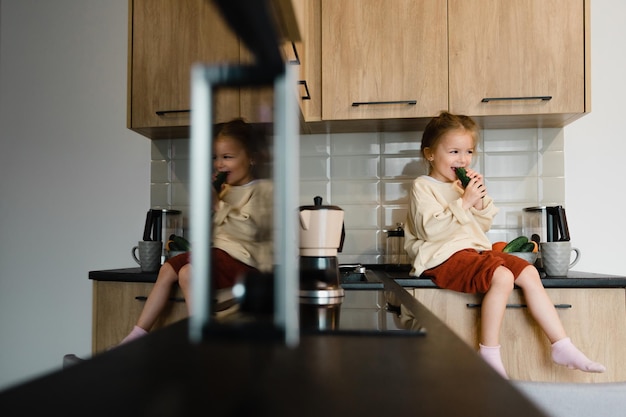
286 182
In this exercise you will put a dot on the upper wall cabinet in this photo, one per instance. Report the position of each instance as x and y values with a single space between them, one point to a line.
518 58
370 65
166 38
383 59
507 63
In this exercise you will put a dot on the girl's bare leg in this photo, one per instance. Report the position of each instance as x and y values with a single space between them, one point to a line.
157 299
494 306
539 304
543 311
156 302
492 313
184 280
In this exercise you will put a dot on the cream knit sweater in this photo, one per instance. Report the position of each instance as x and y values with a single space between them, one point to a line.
437 226
243 224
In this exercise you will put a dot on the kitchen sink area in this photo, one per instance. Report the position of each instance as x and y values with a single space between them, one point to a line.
371 276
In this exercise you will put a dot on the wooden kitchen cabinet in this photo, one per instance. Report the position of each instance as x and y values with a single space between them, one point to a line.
166 38
309 51
117 306
594 318
516 58
383 59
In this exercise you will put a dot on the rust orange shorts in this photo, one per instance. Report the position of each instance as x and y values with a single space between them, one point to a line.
470 271
225 269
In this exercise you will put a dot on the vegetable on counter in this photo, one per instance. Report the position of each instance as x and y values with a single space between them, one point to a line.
177 244
519 244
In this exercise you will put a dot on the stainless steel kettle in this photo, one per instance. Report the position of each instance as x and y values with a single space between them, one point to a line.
545 224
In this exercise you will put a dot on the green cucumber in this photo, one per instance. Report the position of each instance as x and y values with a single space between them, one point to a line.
462 175
515 245
528 247
181 243
220 179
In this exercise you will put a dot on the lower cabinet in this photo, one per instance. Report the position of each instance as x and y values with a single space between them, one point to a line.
116 308
595 320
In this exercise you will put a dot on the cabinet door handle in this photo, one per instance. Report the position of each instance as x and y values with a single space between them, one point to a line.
557 306
542 98
164 112
172 299
296 59
306 88
367 103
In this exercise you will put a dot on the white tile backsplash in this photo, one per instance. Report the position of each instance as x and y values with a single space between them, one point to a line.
353 192
369 175
357 166
310 189
510 164
510 140
401 143
403 166
315 167
315 145
361 216
355 144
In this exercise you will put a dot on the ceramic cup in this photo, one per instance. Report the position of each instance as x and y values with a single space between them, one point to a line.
148 255
557 257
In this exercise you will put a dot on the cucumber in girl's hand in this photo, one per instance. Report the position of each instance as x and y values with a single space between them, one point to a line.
220 179
462 175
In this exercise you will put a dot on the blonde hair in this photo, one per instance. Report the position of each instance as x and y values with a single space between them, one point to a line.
444 123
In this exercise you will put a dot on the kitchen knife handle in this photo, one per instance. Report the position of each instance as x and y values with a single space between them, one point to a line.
542 98
367 103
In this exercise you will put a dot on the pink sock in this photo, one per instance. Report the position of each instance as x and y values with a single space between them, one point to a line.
491 355
136 333
565 353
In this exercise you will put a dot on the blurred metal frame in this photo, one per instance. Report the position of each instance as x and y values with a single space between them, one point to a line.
205 79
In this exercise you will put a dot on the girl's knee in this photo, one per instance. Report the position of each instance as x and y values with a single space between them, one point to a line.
167 273
502 279
184 276
529 277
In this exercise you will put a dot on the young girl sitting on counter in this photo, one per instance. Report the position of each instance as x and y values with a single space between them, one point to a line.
445 236
242 223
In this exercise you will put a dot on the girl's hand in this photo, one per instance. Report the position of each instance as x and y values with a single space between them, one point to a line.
214 191
215 199
475 191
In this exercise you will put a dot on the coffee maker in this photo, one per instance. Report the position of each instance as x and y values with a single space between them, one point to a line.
321 236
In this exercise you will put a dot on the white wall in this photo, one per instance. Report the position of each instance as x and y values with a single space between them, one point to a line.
595 150
74 182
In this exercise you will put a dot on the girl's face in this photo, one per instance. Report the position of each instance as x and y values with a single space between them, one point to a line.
455 149
230 156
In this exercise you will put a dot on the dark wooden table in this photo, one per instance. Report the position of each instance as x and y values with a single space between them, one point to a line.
330 374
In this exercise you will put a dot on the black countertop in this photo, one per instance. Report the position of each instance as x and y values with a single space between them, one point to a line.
343 373
574 279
